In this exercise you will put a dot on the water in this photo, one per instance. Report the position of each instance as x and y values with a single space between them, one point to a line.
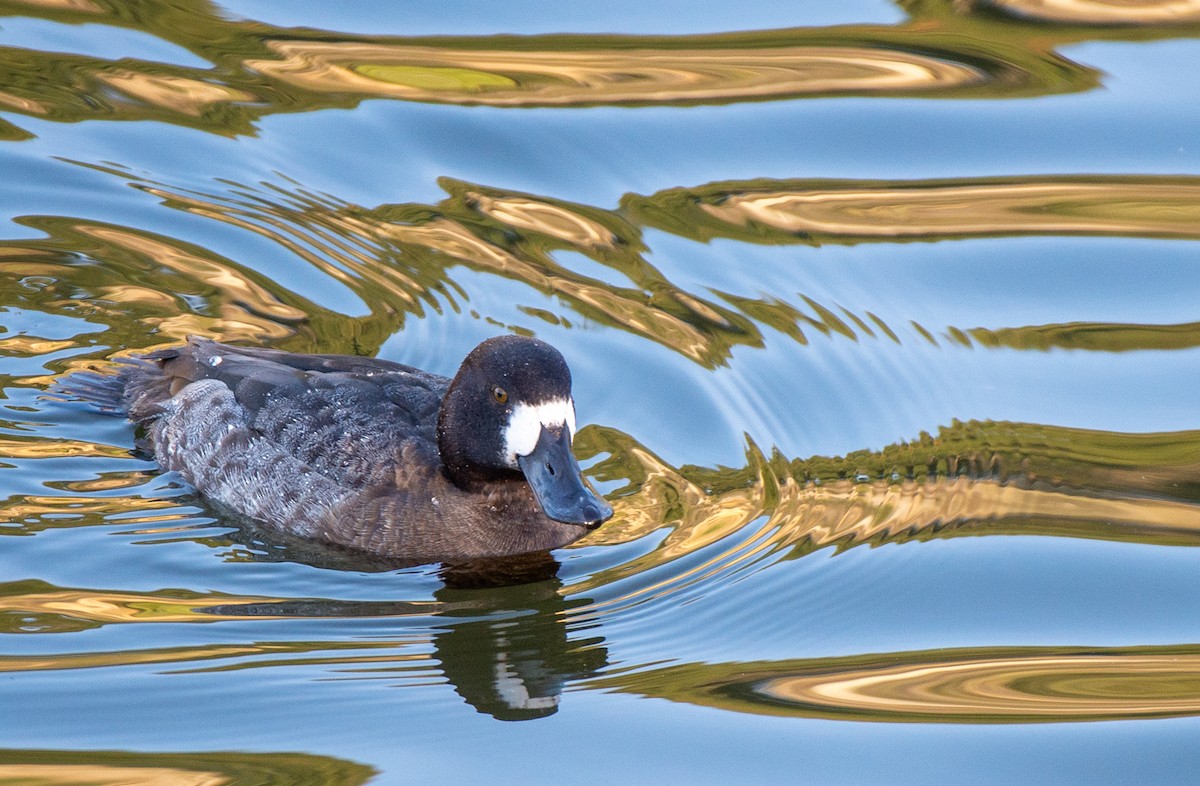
882 319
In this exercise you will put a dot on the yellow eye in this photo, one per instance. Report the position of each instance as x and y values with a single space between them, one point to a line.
499 394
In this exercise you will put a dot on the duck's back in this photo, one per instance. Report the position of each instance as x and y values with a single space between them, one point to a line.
348 418
303 443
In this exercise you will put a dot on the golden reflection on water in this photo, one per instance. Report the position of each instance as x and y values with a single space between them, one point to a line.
399 259
326 233
594 297
848 513
396 265
27 105
30 508
41 447
193 768
556 221
259 68
110 607
1105 12
985 685
973 479
31 345
850 211
97 660
518 77
175 93
131 293
235 286
963 50
147 280
105 775
108 481
1086 686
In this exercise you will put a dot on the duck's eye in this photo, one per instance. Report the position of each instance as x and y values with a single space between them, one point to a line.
500 394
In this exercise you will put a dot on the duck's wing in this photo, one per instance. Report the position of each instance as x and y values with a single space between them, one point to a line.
202 358
203 350
348 418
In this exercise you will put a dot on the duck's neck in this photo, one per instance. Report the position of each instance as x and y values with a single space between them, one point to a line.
470 478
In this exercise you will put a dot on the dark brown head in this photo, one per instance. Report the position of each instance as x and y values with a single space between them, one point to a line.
509 410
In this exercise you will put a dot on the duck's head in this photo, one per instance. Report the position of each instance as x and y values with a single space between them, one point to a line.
509 409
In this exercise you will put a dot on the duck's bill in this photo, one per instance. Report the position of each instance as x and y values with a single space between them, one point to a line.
557 482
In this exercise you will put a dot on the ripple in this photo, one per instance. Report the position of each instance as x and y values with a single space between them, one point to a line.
38 607
563 223
260 68
708 526
992 685
34 447
26 514
1104 12
515 77
19 600
193 768
972 479
508 652
398 260
177 94
846 211
1090 336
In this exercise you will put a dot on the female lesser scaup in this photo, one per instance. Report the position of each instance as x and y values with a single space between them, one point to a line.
375 455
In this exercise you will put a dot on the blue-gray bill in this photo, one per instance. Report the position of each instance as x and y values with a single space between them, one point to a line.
557 482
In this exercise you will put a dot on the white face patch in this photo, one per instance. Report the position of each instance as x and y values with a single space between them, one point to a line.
526 422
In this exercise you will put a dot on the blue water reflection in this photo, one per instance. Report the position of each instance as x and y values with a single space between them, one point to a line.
531 17
102 41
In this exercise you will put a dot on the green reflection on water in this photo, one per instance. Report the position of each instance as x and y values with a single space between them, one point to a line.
132 768
430 78
945 49
978 685
971 479
785 212
507 652
399 260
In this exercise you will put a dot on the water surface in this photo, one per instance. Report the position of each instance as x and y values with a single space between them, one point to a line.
882 320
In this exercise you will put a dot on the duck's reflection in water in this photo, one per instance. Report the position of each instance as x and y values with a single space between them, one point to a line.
499 626
510 656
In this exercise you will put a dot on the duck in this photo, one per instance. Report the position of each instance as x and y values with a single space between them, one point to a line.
372 455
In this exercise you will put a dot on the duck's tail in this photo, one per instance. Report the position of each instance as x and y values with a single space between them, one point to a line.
117 392
104 392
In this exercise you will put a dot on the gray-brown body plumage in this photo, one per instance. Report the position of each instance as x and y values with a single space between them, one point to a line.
341 449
